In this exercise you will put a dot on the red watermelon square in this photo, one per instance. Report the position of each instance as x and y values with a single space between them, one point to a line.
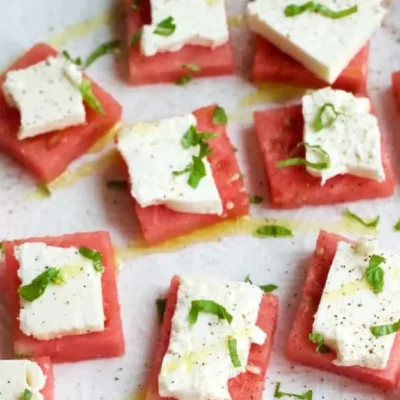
396 87
245 386
104 344
302 350
279 131
47 368
169 66
159 223
48 155
272 65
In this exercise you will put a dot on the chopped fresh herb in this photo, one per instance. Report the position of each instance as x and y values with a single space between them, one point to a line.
135 39
161 304
136 5
1 246
192 67
278 394
117 184
27 395
264 288
210 307
383 330
88 96
319 124
319 340
166 27
255 199
325 160
232 346
219 116
93 255
196 170
293 10
39 285
100 51
273 231
43 189
194 138
77 60
396 227
184 80
371 224
374 274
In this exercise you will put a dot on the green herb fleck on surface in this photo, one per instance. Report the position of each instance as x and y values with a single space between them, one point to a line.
265 288
89 97
232 346
76 61
192 67
255 199
383 330
278 394
27 395
135 38
184 80
374 274
319 340
166 27
371 224
273 231
396 227
44 190
210 307
219 116
319 124
93 255
293 10
101 50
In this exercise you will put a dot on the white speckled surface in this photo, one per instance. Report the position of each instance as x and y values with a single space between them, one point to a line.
87 205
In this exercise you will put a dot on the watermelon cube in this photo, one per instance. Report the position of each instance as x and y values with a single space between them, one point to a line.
169 66
302 350
272 65
396 87
159 223
279 131
104 344
48 155
246 385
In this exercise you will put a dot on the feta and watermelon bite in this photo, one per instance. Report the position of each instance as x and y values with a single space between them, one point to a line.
323 37
50 112
215 341
347 321
327 151
26 379
63 297
175 41
396 88
183 173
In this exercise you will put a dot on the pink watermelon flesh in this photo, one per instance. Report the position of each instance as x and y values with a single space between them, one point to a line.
396 87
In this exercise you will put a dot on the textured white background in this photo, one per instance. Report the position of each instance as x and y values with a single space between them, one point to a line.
87 205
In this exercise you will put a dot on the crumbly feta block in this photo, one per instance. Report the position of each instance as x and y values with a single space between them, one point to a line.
198 22
199 352
73 308
323 45
152 152
349 307
352 141
18 375
47 96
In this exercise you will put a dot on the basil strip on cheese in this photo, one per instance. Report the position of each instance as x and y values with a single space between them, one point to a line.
264 288
371 224
318 123
273 231
89 97
100 51
293 10
374 274
232 347
219 116
67 56
278 394
27 395
383 330
93 255
319 340
166 27
39 285
161 304
210 307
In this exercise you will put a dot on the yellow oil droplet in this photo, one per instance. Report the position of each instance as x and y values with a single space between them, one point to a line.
235 21
345 290
212 2
140 394
107 139
71 271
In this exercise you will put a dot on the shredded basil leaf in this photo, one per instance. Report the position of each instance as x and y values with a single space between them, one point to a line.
318 123
27 395
255 199
278 394
210 307
196 169
396 227
89 97
219 116
100 51
166 27
264 288
39 285
232 346
117 184
319 340
273 231
374 274
77 60
383 330
135 5
293 10
93 255
161 304
184 80
135 39
371 224
192 67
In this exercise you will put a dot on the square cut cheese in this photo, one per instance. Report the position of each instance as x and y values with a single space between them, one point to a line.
197 22
152 152
352 140
325 46
47 95
349 307
72 308
199 352
18 375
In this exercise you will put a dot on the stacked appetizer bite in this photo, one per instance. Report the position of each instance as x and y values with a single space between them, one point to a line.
50 113
26 379
63 297
396 87
215 341
174 41
316 43
329 150
348 316
183 173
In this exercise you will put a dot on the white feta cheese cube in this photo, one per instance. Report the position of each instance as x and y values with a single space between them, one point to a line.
152 152
323 45
73 308
200 352
47 96
349 307
18 375
197 22
352 141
